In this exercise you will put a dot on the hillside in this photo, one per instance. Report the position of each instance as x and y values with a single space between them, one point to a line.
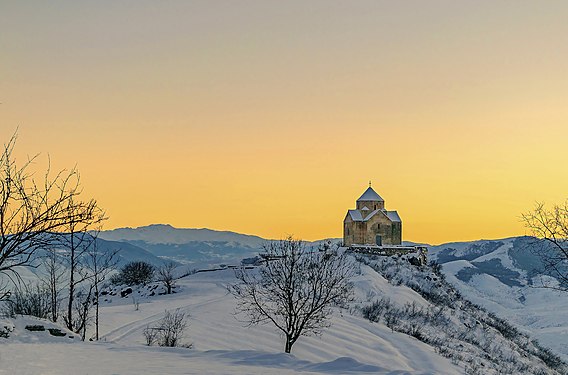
499 275
496 274
223 344
357 342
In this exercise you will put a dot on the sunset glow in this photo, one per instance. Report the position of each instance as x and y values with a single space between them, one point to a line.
270 118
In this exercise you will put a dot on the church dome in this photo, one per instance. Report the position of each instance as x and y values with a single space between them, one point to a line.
370 196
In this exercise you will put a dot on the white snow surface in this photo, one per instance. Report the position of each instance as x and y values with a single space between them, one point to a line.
222 343
539 312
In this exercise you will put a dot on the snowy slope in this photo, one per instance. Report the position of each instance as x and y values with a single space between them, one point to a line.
498 274
223 345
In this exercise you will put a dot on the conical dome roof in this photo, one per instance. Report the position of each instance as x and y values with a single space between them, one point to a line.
370 195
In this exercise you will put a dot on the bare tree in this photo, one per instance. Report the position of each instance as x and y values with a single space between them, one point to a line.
76 242
295 290
53 279
82 303
169 331
550 226
28 300
166 275
100 265
33 209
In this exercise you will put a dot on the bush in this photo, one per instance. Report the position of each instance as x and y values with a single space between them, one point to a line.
169 331
32 301
5 332
134 273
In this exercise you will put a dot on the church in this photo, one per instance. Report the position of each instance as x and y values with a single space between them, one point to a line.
370 223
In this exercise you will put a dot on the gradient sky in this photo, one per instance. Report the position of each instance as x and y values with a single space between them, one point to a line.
270 117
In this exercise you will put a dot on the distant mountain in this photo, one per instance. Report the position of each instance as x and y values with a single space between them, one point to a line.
166 234
198 247
500 275
128 252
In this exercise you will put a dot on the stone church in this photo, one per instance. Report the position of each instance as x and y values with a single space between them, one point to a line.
370 223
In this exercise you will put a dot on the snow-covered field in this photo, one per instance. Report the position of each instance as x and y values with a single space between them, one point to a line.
222 344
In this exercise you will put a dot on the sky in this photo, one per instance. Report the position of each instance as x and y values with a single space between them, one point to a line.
271 117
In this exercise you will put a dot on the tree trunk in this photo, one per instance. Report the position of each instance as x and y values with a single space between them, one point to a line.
71 285
97 310
289 344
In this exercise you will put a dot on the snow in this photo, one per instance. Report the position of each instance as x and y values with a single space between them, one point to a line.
356 215
370 195
222 344
537 311
393 216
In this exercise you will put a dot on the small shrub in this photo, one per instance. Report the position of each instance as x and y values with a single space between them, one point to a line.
32 301
5 332
169 331
151 335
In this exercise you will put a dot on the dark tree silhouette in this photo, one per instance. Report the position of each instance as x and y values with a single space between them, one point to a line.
134 273
100 265
33 208
550 226
167 276
295 289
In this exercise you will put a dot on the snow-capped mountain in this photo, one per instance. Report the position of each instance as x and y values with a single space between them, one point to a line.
499 275
196 247
166 234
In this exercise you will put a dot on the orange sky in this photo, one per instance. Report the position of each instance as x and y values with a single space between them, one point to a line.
270 117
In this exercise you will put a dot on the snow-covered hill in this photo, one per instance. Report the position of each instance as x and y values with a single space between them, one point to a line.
499 275
223 344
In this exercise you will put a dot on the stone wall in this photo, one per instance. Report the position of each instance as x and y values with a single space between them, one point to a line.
365 232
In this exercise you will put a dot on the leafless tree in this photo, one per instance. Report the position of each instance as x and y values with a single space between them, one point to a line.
33 209
100 265
550 226
295 290
53 279
169 331
76 241
28 300
166 275
82 303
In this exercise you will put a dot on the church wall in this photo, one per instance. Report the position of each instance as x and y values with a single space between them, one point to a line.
384 229
365 232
